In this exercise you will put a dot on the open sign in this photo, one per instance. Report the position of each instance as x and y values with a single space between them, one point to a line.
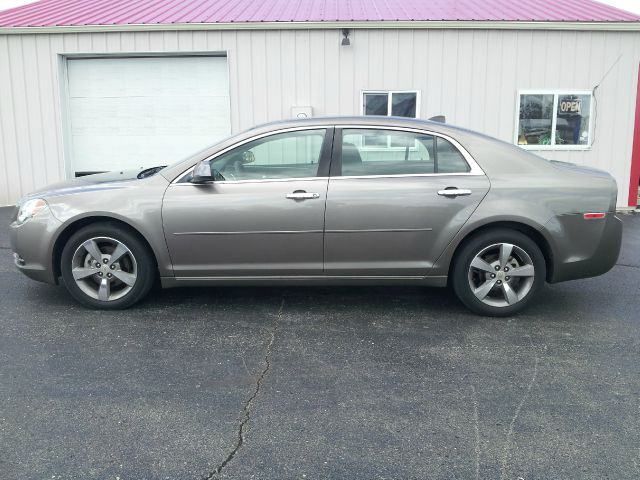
570 105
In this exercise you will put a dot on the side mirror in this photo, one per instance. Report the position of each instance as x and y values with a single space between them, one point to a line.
202 172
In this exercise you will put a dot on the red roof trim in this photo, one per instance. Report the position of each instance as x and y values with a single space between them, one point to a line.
49 13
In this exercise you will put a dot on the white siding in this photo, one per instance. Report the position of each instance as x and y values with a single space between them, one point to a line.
471 76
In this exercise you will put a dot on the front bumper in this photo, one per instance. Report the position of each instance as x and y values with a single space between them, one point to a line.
584 247
32 245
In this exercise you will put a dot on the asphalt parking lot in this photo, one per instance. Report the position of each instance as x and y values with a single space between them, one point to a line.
358 383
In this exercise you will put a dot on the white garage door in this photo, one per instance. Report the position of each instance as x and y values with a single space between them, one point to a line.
141 112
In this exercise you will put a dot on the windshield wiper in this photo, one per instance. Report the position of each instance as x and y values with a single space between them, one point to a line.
148 172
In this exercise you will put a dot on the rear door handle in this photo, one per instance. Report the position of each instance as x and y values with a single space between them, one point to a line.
454 192
301 195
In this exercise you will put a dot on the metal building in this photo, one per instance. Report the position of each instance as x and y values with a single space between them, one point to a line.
92 86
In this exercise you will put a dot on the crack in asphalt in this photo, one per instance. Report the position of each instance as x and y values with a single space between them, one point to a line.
525 396
476 424
627 265
247 406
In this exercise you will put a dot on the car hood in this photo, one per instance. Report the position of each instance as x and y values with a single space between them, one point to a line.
100 181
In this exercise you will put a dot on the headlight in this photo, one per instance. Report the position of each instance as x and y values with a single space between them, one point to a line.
29 209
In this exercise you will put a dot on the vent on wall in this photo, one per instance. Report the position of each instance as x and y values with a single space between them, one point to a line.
301 112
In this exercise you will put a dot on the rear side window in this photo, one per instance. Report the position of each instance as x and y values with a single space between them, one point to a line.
392 152
450 160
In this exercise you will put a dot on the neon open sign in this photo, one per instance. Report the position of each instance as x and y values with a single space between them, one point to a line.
570 105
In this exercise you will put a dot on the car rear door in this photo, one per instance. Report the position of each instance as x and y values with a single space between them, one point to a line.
263 218
396 198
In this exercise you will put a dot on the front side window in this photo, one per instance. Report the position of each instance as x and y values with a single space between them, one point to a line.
398 153
283 155
554 120
398 104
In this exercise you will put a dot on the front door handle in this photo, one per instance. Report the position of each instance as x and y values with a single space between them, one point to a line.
302 195
454 192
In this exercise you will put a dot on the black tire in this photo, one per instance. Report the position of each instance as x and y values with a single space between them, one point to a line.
472 247
144 260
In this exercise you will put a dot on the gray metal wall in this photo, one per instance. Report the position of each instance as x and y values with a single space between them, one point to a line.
471 76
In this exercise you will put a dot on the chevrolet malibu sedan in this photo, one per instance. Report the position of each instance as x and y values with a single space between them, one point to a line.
363 200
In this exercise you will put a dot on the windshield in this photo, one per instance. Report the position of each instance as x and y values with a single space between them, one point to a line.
199 152
193 154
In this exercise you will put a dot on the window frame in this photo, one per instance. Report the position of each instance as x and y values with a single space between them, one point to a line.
336 154
324 161
556 92
389 104
389 94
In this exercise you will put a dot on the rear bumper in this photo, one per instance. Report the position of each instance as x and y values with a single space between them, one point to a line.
584 248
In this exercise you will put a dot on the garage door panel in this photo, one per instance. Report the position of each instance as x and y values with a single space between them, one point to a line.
126 112
95 77
161 152
147 116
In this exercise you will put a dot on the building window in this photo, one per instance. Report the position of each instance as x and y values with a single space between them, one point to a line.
554 120
385 103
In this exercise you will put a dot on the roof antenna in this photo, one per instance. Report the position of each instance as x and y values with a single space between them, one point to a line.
439 119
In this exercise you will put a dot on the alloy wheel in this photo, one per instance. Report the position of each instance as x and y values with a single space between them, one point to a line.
501 274
104 268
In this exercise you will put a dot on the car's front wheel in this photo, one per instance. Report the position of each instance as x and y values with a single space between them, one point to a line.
498 272
107 266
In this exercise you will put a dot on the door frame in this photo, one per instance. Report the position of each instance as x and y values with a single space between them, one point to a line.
322 175
634 173
324 164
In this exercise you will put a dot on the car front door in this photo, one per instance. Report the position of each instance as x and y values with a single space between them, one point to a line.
395 200
263 216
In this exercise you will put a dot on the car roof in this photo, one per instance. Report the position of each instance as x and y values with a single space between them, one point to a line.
369 120
350 120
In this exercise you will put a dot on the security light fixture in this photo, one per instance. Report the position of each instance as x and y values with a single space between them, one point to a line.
345 39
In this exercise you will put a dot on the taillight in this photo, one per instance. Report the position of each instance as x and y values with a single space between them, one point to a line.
592 216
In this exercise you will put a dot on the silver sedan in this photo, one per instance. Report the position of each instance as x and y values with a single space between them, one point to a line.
359 200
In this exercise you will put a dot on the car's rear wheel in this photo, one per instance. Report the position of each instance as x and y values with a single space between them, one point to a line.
107 266
498 272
